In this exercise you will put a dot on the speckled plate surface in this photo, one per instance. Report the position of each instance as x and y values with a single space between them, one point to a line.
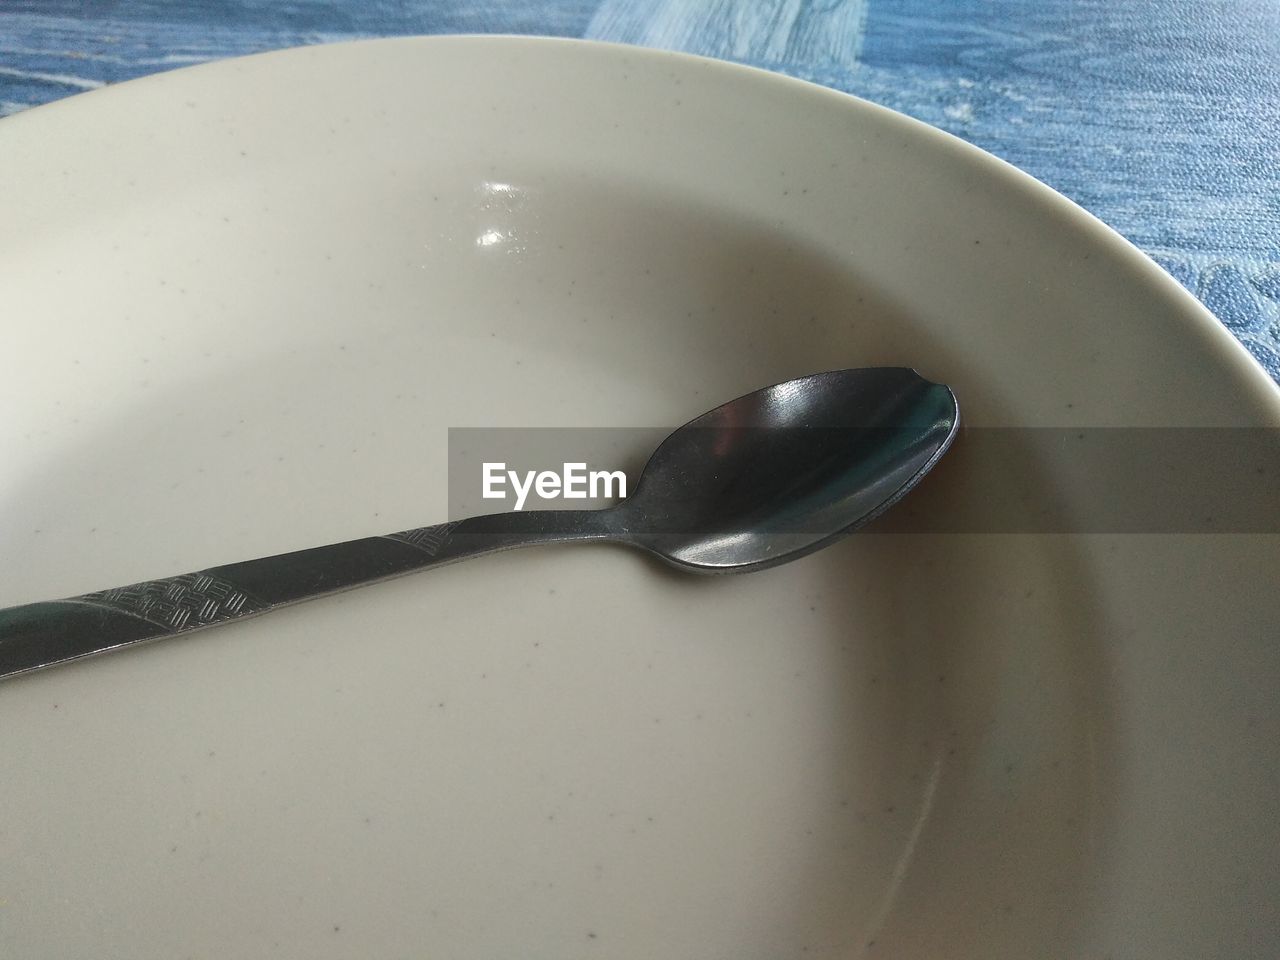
243 303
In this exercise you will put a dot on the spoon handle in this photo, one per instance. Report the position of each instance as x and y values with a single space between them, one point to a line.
42 634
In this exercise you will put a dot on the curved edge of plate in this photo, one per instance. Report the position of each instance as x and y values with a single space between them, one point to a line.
1197 320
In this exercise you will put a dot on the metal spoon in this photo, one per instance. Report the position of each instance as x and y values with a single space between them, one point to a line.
761 480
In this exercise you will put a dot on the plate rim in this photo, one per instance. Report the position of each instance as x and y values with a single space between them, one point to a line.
1189 318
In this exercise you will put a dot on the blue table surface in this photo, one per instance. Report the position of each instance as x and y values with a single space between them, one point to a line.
1160 117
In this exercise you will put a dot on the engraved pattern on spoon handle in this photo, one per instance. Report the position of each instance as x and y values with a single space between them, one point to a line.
42 634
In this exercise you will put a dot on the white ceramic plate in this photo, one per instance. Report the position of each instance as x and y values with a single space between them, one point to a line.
241 305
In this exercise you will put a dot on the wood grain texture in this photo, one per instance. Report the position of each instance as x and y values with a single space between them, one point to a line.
1162 117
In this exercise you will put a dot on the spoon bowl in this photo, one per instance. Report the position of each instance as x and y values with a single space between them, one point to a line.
783 471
